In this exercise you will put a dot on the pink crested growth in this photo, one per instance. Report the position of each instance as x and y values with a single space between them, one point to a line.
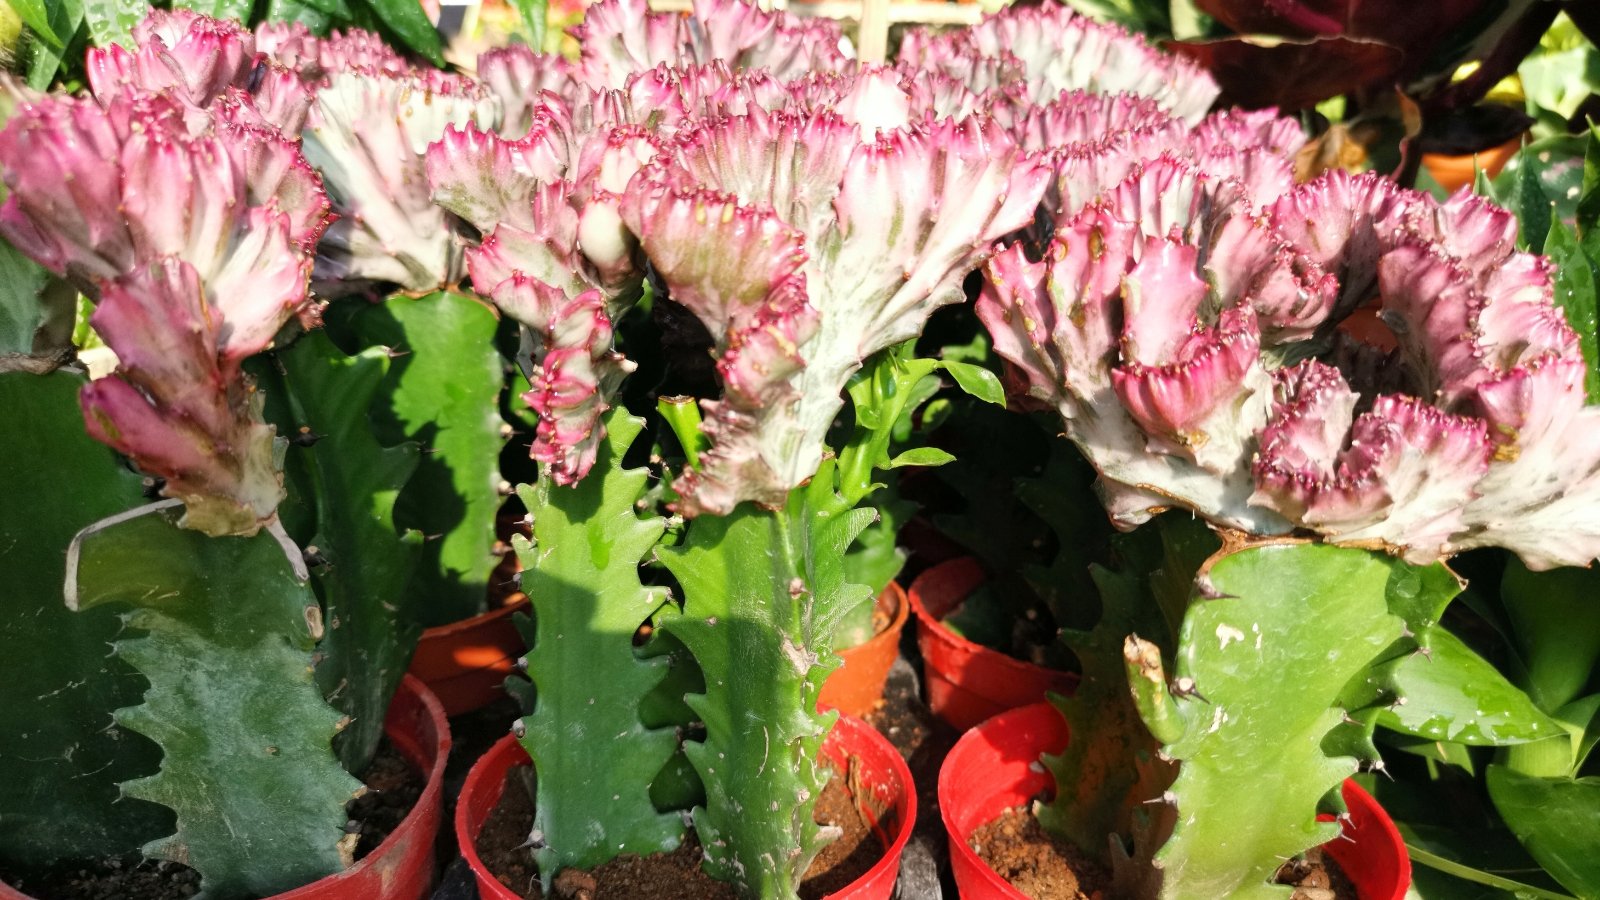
1398 477
177 404
815 239
1145 335
519 79
367 134
194 56
1059 50
555 248
621 37
193 235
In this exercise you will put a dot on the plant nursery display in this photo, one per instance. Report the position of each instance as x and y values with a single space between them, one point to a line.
624 382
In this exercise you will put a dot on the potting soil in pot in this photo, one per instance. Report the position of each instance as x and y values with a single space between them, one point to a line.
393 787
1044 867
667 876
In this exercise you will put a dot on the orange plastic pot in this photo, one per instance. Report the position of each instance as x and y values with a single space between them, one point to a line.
857 685
994 767
1456 172
401 868
965 682
466 663
892 808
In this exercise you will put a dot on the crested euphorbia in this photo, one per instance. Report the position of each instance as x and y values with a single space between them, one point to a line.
367 134
1473 432
195 56
554 256
622 37
871 226
518 78
1047 49
194 235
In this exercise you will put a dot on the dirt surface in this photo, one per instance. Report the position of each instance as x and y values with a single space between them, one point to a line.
1317 877
393 787
666 876
1047 868
1039 865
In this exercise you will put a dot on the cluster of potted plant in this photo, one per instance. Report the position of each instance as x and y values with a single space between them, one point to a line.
697 267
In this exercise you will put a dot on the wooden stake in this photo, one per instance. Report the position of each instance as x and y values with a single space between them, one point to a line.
872 38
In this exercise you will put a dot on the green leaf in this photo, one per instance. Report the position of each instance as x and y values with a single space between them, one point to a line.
45 59
1450 693
922 456
535 20
302 11
1314 613
1574 289
62 756
976 381
1498 886
222 629
1587 213
593 755
407 19
370 617
36 15
1544 173
441 391
1557 820
1556 623
219 9
112 21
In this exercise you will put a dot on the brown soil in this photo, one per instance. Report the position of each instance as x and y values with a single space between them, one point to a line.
1316 877
393 787
1036 863
666 876
1046 868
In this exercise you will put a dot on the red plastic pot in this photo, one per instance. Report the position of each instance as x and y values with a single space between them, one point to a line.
466 663
401 868
967 683
992 769
880 767
857 685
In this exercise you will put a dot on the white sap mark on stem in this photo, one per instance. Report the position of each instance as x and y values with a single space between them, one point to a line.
1218 717
1256 628
1227 634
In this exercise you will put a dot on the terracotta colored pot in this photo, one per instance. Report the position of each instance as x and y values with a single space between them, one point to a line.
401 868
967 683
466 663
881 769
993 768
1456 172
856 686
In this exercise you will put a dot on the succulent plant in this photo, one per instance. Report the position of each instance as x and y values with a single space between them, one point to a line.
194 235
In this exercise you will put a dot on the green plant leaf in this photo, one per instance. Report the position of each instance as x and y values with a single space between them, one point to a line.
303 11
976 381
1450 693
112 21
593 755
442 391
922 456
45 59
1544 179
63 756
222 629
1557 820
36 15
370 617
219 9
535 16
407 19
1556 623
